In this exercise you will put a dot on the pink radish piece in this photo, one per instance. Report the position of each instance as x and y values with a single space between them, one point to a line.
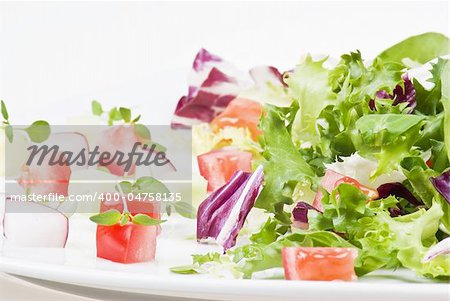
30 224
69 142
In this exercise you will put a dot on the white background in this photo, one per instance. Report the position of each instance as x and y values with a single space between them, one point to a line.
56 57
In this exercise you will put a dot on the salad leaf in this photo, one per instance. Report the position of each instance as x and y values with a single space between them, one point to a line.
413 48
429 101
387 137
398 190
405 94
442 184
308 85
356 85
300 213
439 158
269 232
221 216
284 166
213 84
445 80
419 176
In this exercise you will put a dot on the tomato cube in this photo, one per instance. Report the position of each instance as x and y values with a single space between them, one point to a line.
218 166
326 264
130 243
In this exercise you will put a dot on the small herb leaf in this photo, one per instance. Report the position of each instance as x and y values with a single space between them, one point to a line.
114 115
125 113
97 109
4 111
107 218
142 131
9 133
145 220
125 186
124 219
184 209
38 131
136 119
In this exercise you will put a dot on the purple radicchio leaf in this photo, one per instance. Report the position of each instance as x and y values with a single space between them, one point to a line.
212 85
399 95
263 75
221 216
398 190
441 248
406 94
203 59
300 214
442 184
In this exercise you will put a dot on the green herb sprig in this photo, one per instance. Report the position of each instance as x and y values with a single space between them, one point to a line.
38 131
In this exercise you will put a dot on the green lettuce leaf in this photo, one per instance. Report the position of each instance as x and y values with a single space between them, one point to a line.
418 175
308 85
420 48
429 101
445 81
387 137
284 166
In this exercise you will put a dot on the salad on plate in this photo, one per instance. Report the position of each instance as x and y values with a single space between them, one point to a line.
331 170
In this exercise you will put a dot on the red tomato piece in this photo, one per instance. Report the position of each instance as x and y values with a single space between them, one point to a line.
130 243
325 264
241 113
333 179
218 166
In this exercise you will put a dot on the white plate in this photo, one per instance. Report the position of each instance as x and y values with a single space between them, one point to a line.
77 264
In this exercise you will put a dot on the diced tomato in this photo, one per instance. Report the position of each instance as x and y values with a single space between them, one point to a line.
333 179
218 166
326 264
135 206
241 113
429 163
130 243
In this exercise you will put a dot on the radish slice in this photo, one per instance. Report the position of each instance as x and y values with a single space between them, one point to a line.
30 224
118 138
69 142
45 179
